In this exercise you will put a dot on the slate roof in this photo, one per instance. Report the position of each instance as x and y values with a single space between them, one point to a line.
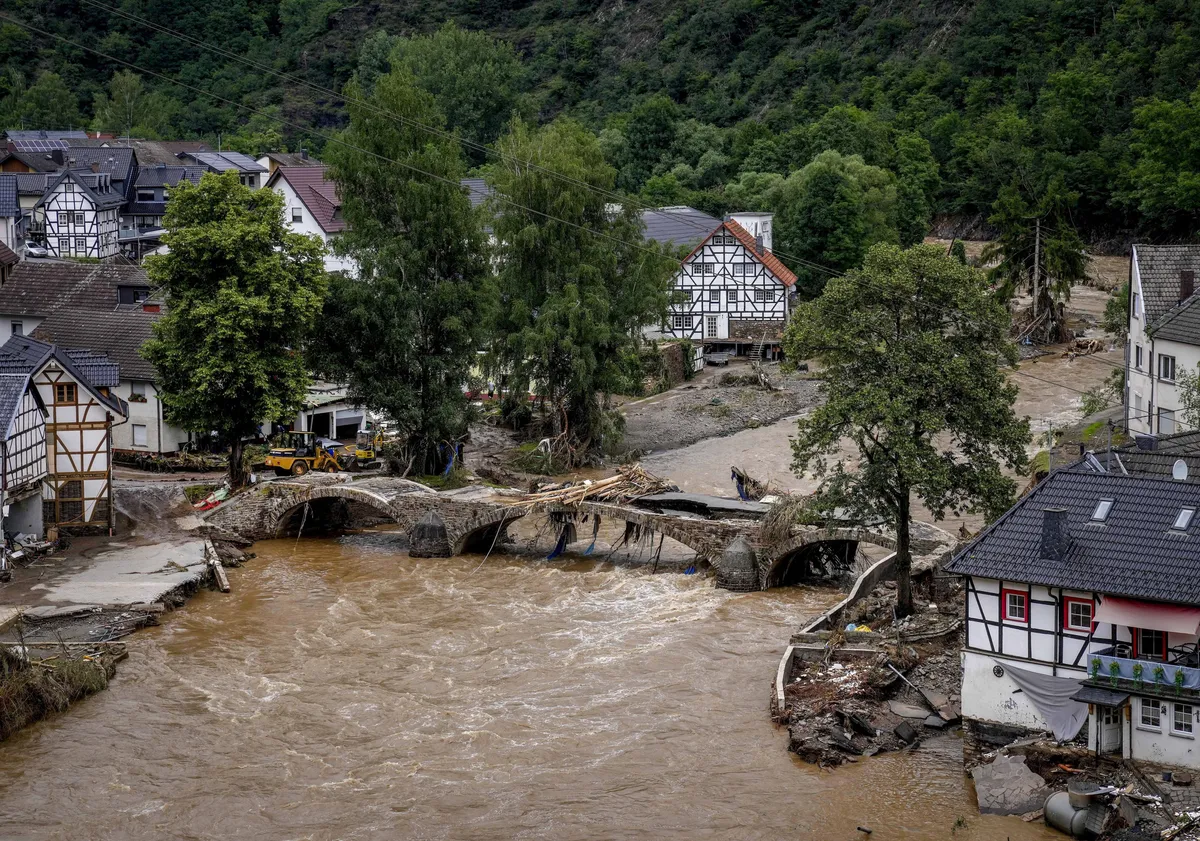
102 199
168 176
1134 462
1159 267
292 159
45 134
150 152
117 162
318 194
21 356
31 183
8 257
1183 443
10 205
118 333
97 367
1181 323
1134 553
39 287
478 190
678 225
37 161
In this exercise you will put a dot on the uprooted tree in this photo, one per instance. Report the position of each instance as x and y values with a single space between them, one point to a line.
576 281
911 348
242 293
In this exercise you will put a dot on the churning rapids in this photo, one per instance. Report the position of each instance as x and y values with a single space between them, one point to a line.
347 691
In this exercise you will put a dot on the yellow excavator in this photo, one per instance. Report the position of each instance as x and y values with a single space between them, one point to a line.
298 453
367 445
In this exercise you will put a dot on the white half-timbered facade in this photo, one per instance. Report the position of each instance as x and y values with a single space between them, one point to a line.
731 289
81 212
23 453
1083 607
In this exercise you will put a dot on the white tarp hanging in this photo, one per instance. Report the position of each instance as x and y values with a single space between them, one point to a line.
1051 696
1160 617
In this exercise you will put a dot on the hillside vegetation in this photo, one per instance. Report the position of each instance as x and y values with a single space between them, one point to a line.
1082 112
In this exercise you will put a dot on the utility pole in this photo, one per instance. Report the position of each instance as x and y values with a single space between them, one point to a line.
1037 262
1050 449
1108 458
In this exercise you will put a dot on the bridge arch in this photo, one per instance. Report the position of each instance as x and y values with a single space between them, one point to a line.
286 509
825 549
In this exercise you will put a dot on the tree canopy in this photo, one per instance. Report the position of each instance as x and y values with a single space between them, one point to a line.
404 333
912 348
576 283
242 293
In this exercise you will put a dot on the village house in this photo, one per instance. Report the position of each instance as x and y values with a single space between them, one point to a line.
1083 608
312 206
274 160
250 172
81 213
142 217
57 448
1164 335
731 292
104 308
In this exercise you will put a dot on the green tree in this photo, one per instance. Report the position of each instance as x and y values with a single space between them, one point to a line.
404 333
576 283
910 346
242 294
831 211
1164 181
916 187
48 103
476 80
129 109
1037 246
1187 386
650 133
1116 312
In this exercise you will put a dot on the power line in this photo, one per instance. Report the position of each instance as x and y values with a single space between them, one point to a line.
339 141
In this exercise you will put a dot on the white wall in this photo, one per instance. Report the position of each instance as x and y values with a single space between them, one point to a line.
986 697
1162 745
308 225
148 415
29 323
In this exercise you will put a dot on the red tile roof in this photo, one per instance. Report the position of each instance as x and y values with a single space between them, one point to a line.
785 275
318 194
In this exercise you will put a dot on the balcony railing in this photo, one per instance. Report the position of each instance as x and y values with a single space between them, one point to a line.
1156 674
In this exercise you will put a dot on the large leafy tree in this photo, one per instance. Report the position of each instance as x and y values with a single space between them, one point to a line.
242 294
576 281
911 347
830 211
404 333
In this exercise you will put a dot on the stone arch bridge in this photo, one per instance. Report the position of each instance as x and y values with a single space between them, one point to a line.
474 518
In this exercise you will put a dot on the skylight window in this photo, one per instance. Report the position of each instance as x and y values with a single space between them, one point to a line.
1102 509
1184 519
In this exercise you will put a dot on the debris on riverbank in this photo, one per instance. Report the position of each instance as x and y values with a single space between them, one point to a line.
856 693
36 681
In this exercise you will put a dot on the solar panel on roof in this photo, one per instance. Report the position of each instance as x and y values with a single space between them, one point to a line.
37 145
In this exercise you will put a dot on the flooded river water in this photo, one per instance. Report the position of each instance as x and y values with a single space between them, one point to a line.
347 691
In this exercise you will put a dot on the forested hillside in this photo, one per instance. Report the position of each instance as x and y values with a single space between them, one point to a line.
1086 112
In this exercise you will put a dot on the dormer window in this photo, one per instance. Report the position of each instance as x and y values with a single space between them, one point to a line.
145 195
1102 508
1184 519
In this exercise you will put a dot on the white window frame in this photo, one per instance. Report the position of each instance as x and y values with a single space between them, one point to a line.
1150 705
1166 368
1188 732
140 435
137 389
1167 415
1183 519
681 322
1072 625
80 219
81 243
731 296
714 296
764 296
297 215
1010 615
739 268
711 326
17 328
709 268
64 245
1137 357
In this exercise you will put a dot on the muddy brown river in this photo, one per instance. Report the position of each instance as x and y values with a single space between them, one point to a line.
347 691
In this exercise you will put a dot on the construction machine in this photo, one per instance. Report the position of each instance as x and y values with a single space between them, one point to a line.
299 452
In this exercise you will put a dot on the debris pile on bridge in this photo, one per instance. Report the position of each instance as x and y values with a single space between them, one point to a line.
630 482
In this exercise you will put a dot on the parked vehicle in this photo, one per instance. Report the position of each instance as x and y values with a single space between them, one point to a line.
301 452
32 249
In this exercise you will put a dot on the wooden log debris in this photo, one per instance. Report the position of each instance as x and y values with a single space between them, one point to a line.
630 482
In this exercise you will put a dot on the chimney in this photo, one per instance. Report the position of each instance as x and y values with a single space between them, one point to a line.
56 155
95 166
150 306
1055 538
303 154
758 243
1187 284
160 167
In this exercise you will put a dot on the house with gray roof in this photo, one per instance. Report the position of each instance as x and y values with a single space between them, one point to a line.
81 214
250 172
1164 335
64 482
11 238
89 309
1083 609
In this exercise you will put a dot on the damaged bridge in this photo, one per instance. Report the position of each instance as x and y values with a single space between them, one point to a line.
725 532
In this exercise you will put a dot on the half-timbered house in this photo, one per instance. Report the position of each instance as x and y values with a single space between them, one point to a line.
76 488
23 465
1083 606
81 213
731 291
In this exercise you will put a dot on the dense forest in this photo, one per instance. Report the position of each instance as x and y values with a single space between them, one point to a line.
1085 113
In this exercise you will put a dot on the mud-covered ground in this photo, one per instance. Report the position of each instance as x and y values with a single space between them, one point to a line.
708 407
